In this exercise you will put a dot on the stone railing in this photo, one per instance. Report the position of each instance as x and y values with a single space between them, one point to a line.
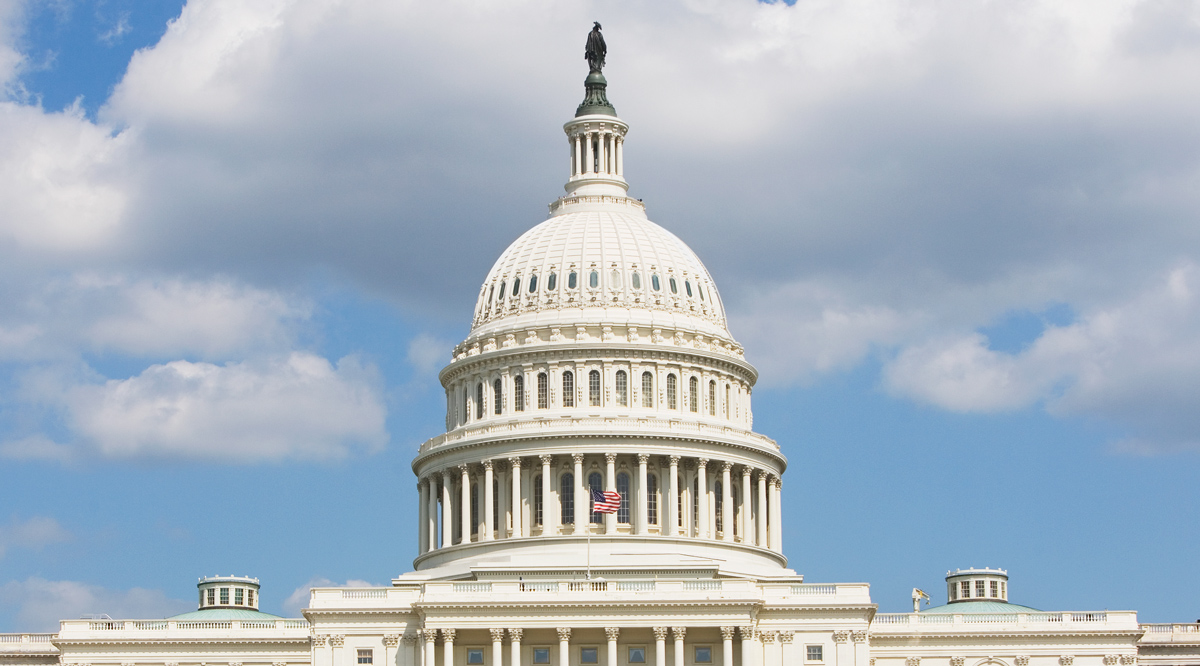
27 644
133 629
905 622
1171 633
575 426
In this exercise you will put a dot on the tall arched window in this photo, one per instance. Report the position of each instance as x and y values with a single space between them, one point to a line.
568 389
718 504
479 400
566 498
679 506
474 508
519 393
543 391
647 389
623 489
594 279
737 510
622 388
671 389
696 505
551 282
496 505
693 394
595 482
652 499
594 388
537 500
727 401
572 280
516 285
497 396
465 412
712 398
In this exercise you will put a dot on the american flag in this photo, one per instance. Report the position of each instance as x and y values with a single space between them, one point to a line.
606 502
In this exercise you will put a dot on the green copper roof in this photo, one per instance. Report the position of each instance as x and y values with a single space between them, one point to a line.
976 607
595 98
219 614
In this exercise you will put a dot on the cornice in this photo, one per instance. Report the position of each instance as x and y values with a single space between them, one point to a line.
207 640
1020 633
748 603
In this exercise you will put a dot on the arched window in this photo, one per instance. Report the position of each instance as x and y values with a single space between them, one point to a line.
532 283
727 401
693 393
700 288
497 396
595 482
474 508
594 279
671 388
572 280
712 398
496 505
568 389
674 287
652 499
687 285
647 389
516 285
537 500
594 388
623 490
519 393
679 505
622 388
543 391
479 400
465 412
696 506
551 282
737 510
637 280
502 286
654 283
566 498
718 504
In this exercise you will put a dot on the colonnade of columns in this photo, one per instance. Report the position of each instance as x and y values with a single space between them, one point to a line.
599 151
550 495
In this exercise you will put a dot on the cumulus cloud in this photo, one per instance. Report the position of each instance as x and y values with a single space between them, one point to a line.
298 599
34 533
295 407
41 603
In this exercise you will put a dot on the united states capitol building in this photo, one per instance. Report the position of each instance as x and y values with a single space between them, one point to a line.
599 358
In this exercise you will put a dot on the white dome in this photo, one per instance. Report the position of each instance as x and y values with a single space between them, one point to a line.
603 262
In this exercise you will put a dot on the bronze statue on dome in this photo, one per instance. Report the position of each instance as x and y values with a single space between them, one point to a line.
595 50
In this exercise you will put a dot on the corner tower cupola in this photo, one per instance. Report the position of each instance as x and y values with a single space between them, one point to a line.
228 592
977 585
596 135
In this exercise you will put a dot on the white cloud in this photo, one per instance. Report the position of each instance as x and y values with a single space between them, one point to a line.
295 407
427 353
34 533
41 603
298 599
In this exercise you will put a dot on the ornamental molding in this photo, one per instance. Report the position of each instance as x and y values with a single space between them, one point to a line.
861 637
912 661
747 633
337 640
409 639
786 636
660 633
679 632
1021 660
1110 659
1066 660
957 661
391 640
841 636
1127 659
564 634
515 634
497 635
727 633
768 636
612 633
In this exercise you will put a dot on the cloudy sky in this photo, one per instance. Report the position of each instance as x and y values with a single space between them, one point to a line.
961 241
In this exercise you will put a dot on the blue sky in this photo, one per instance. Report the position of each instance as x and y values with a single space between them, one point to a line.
960 242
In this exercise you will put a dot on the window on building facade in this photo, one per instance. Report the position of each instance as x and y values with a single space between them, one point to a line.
623 489
366 656
542 655
474 656
594 279
674 287
637 281
687 285
516 285
995 589
519 393
727 401
671 389
237 596
953 592
551 282
965 589
654 283
1003 591
249 597
497 396
979 589
700 288
502 286
712 398
572 282
703 654
696 505
589 655
537 500
652 499
568 387
622 388
718 505
543 391
693 394
815 653
212 597
224 596
496 503
594 388
474 508
566 498
737 509
647 389
479 401
679 505
532 283
615 282
637 655
596 482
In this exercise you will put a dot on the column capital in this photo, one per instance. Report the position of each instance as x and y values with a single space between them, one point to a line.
464 469
840 636
337 640
727 633
702 463
577 458
515 634
448 635
497 635
391 640
515 463
786 636
409 640
488 465
421 633
768 636
747 632
778 483
564 633
643 458
546 458
610 458
318 640
858 636
660 633
678 632
726 466
447 475
612 633
747 470
674 460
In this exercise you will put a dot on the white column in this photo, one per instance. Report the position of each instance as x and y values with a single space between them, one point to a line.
620 156
514 636
747 526
672 502
582 497
448 645
760 516
447 510
423 517
464 499
389 652
514 466
787 648
702 498
611 633
643 495
660 646
777 516
428 640
497 647
726 502
489 502
564 645
601 139
677 633
577 157
431 513
747 634
771 656
549 513
610 484
727 646
589 160
337 641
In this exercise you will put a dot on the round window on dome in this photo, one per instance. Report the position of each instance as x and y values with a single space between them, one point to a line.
551 281
674 287
654 284
572 280
637 281
687 285
532 283
502 286
594 279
